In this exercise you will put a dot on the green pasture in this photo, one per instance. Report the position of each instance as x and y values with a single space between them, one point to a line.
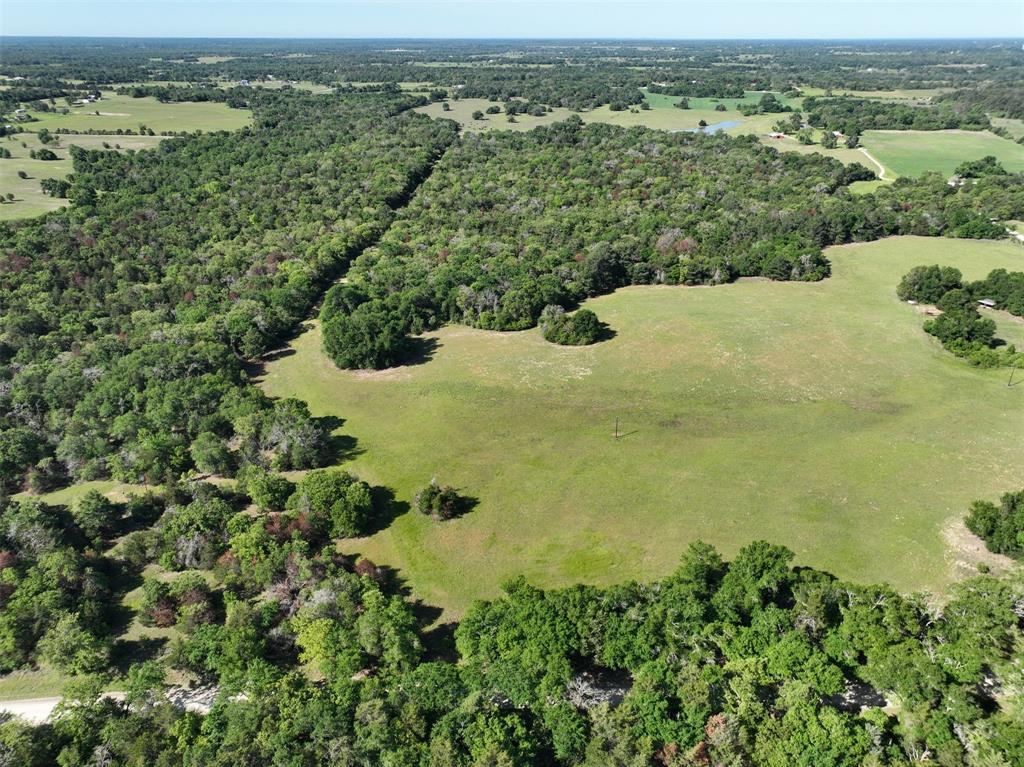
896 94
911 153
127 113
816 415
29 199
663 115
462 112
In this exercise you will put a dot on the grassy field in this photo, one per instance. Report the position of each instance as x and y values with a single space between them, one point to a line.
819 416
29 199
124 112
898 94
663 115
911 153
462 112
1015 127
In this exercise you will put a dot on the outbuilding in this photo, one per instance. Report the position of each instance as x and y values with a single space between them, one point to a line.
987 302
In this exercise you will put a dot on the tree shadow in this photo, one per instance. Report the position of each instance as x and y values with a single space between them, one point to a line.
387 509
464 505
127 652
277 354
421 351
606 333
340 447
439 642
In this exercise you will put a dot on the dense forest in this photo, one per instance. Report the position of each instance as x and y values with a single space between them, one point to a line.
854 116
129 317
511 223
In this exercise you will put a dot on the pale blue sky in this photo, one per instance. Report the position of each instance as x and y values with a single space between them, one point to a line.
664 19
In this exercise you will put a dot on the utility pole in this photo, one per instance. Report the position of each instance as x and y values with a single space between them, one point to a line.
616 428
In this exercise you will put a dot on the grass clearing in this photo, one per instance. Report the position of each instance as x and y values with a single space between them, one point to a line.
462 112
663 115
896 94
1014 126
29 199
69 496
127 113
819 416
911 153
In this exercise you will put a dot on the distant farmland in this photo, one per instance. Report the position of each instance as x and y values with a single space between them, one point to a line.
911 153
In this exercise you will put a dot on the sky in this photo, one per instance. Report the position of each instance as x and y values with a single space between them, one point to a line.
657 19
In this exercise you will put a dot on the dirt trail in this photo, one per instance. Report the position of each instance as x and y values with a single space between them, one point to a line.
38 710
881 168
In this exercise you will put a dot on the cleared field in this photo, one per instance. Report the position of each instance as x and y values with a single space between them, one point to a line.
819 416
29 199
844 155
898 94
125 112
911 153
663 115
462 112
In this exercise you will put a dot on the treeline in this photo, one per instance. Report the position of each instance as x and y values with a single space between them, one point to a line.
1003 101
854 116
511 223
237 97
128 318
573 87
960 327
747 662
771 65
1002 526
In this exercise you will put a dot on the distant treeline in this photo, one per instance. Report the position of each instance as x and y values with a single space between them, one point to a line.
854 116
1002 101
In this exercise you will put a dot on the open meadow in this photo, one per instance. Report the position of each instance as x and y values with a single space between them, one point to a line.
911 153
817 415
663 115
29 199
127 113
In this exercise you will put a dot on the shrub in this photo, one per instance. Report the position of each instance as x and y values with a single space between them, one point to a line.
1002 526
438 501
578 329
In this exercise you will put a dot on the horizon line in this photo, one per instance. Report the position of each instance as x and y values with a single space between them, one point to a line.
519 38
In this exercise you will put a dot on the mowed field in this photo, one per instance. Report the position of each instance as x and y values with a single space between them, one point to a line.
911 153
126 113
819 416
29 199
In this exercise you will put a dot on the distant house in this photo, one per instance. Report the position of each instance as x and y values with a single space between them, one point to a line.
776 134
987 302
243 82
837 133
